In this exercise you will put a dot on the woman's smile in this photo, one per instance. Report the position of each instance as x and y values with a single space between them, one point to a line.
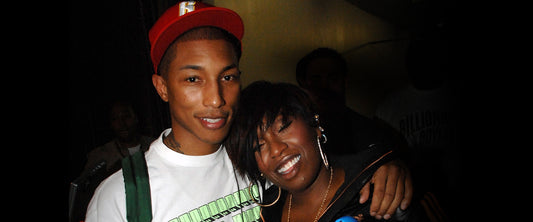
288 164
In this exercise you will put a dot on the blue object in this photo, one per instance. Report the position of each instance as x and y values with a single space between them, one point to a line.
346 219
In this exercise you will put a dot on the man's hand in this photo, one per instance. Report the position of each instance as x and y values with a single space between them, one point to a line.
392 186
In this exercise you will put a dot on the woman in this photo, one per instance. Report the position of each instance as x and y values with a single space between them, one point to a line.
277 137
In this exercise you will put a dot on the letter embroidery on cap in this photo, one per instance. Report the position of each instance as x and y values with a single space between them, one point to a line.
186 7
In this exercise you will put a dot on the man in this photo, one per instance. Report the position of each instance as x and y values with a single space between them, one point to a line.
195 52
128 139
323 73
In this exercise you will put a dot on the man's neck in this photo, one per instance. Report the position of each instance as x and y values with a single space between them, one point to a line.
130 142
193 149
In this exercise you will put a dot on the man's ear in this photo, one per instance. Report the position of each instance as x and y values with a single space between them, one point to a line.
160 86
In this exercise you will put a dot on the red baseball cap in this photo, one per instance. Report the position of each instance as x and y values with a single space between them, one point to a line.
187 15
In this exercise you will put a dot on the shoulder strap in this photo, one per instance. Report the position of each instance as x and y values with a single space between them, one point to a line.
138 201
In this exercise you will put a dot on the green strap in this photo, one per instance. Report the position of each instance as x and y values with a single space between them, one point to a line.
138 201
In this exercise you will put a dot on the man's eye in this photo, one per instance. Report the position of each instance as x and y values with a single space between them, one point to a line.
230 77
191 79
233 76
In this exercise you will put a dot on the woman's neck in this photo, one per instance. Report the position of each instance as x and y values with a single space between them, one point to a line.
315 191
315 197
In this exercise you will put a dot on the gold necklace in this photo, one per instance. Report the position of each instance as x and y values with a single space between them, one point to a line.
321 205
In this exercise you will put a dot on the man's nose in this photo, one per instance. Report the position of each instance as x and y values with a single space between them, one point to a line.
213 95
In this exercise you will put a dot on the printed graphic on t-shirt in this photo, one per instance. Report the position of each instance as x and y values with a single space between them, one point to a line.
220 208
428 129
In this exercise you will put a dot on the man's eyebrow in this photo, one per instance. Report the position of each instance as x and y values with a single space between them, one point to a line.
194 67
232 66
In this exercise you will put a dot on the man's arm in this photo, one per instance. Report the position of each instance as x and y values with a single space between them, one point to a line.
393 187
109 201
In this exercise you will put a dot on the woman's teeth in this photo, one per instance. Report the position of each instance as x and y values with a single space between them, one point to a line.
212 120
283 169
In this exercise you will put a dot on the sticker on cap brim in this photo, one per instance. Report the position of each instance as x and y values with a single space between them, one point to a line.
186 7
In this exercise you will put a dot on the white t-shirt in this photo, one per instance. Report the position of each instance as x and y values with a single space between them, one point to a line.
424 117
183 188
134 149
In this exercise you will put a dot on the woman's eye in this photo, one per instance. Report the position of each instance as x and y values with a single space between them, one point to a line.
258 147
285 126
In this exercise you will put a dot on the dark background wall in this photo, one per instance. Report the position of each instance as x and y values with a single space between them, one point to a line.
108 60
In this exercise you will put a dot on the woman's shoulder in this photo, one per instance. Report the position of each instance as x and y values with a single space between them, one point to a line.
273 213
373 155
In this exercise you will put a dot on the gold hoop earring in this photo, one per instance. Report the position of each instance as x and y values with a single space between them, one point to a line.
322 134
262 205
322 154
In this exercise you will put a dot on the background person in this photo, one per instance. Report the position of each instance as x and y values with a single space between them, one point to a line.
105 160
323 73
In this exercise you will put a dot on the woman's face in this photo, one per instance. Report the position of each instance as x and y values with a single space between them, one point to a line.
288 155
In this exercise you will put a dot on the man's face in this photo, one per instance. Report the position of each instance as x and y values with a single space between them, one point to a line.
202 88
123 122
325 75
